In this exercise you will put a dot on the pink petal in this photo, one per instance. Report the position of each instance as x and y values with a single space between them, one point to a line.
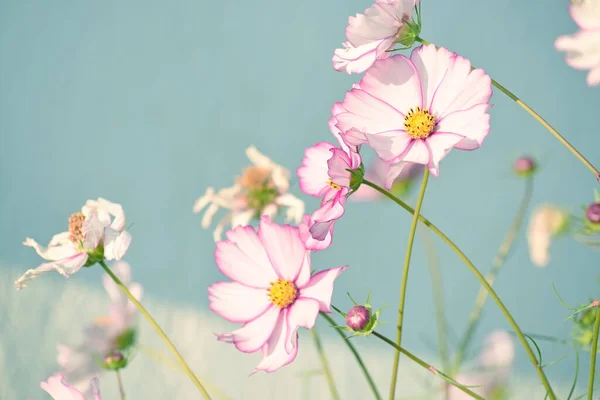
304 275
368 114
395 170
324 217
389 145
92 230
116 243
320 287
417 152
582 47
472 123
313 172
236 302
254 334
375 24
274 354
355 60
309 242
440 144
56 387
284 248
586 14
431 65
304 313
243 258
346 140
396 82
337 167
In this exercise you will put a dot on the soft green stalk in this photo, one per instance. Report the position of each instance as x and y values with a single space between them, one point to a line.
326 369
593 355
497 265
483 282
359 360
542 121
158 330
120 384
428 367
404 284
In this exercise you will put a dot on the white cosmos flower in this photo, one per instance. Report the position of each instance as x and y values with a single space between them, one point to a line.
96 232
261 190
546 222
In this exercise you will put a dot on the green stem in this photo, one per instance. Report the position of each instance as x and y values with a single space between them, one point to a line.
593 355
404 284
359 360
497 265
120 384
541 120
483 282
427 366
334 393
158 330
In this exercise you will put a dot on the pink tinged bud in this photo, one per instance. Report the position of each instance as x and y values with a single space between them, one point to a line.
593 213
358 318
114 361
524 165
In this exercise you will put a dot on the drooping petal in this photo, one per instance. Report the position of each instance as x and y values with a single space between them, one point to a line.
236 302
355 60
472 123
309 242
242 258
274 354
320 287
116 243
60 247
65 267
57 387
338 165
204 200
283 246
325 216
255 333
313 174
303 313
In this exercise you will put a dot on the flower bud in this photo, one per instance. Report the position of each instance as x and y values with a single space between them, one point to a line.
593 213
114 361
358 318
525 166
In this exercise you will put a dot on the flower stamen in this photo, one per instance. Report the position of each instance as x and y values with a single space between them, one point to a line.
419 123
75 224
282 293
333 185
255 178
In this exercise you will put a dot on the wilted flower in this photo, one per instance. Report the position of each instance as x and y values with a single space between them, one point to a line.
272 293
56 387
546 222
371 34
106 336
261 190
416 110
583 47
96 233
377 173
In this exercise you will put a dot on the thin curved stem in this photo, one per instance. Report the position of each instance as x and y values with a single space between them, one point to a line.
359 360
404 284
326 369
483 282
120 384
593 355
542 121
427 366
497 265
158 330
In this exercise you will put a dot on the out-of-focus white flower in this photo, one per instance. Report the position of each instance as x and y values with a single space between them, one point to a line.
546 222
261 190
95 233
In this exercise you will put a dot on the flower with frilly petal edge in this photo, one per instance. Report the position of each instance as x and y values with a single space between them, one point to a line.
261 190
415 110
56 387
546 222
272 293
107 338
96 233
372 34
583 47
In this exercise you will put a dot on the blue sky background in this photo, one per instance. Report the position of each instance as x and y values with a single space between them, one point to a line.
147 103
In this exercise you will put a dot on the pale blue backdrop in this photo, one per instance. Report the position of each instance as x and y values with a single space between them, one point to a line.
147 103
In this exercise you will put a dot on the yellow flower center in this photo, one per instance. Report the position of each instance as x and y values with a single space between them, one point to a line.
419 123
75 224
282 293
255 178
333 185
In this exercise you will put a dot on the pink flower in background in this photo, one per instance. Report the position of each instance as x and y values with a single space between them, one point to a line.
272 293
56 387
96 233
377 173
324 173
113 333
415 110
583 47
372 33
546 222
261 190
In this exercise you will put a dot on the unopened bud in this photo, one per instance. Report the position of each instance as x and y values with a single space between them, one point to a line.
358 318
114 361
525 166
593 213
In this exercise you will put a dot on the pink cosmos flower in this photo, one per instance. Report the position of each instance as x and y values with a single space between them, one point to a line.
113 333
261 190
415 110
372 33
583 47
272 293
324 173
96 233
377 173
56 387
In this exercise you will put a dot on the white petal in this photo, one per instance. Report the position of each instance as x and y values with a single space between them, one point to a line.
57 250
116 244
